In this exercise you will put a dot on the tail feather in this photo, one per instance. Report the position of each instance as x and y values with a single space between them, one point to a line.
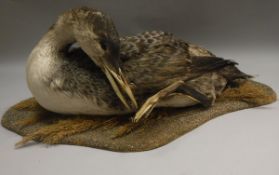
204 64
227 68
231 73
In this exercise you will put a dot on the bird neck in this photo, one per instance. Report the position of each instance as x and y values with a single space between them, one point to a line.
46 55
57 38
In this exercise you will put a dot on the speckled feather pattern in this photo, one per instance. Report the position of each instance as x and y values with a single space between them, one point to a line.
151 60
79 76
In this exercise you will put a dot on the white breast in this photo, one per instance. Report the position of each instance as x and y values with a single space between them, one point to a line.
40 67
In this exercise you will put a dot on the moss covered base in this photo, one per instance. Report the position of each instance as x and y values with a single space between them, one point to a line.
28 119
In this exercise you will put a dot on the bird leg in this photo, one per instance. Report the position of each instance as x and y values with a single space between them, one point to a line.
151 102
178 86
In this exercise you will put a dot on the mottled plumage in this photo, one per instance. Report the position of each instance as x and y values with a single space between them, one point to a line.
151 65
79 76
152 60
161 70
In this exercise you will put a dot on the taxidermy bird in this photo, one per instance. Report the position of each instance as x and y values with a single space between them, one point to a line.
110 75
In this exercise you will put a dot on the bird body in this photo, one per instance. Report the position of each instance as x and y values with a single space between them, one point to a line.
155 64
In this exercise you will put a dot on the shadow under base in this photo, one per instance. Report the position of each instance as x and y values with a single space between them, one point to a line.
28 119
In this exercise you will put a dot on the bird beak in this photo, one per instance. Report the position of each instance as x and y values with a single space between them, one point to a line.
120 85
109 63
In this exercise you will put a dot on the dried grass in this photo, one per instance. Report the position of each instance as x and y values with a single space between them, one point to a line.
54 133
34 118
249 93
28 105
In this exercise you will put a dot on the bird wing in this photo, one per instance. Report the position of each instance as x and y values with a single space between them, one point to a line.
153 60
150 57
132 47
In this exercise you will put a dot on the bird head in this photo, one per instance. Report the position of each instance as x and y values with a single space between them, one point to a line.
96 34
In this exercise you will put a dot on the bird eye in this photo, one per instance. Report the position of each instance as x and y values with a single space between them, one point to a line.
103 44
